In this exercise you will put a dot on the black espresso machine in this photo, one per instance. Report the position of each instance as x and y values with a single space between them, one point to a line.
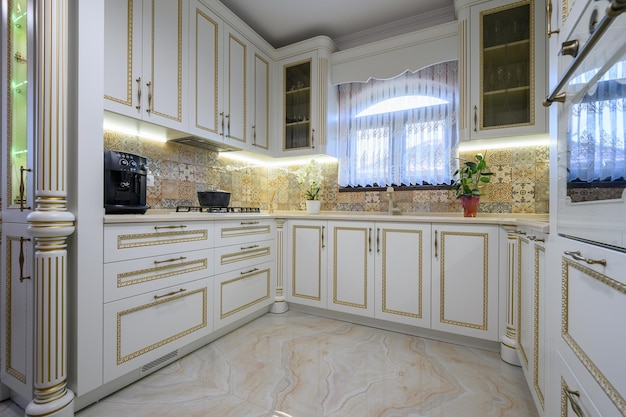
124 183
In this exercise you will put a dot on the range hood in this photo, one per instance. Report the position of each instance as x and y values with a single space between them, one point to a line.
127 125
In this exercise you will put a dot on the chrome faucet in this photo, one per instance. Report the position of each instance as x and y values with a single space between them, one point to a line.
392 203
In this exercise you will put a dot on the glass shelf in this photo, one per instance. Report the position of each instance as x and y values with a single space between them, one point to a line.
297 111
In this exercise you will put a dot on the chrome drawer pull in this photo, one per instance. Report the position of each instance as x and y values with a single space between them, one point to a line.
182 226
573 399
169 294
182 258
249 272
249 247
243 223
576 255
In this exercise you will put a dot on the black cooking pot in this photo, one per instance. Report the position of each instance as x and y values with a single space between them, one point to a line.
213 198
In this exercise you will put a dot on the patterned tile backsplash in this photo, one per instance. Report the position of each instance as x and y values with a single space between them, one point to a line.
520 183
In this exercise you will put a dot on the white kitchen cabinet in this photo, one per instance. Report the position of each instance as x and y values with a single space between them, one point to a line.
17 300
403 254
502 68
236 88
306 270
351 267
588 331
259 91
530 326
465 280
146 58
309 102
245 259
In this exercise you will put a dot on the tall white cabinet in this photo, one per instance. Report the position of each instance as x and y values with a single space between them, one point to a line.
146 58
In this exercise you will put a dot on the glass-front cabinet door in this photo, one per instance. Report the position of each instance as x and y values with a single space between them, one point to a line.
507 69
297 106
17 132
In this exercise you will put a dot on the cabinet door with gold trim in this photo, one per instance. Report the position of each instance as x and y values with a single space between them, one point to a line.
465 280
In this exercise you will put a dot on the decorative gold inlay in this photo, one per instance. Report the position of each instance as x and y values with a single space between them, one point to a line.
138 240
257 273
244 255
244 93
418 273
267 100
335 263
294 252
8 309
606 385
442 309
124 279
121 359
128 101
227 232
538 389
199 42
521 242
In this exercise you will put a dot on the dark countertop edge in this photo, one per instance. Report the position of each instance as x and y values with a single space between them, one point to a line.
538 222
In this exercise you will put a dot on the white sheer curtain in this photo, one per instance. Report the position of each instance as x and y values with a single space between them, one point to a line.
404 147
597 129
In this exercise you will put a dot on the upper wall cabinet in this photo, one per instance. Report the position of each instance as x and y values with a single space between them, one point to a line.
259 103
502 68
309 102
146 59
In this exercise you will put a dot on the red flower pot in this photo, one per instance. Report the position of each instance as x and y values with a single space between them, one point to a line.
470 206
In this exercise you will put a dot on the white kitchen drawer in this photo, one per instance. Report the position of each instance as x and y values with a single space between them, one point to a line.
580 397
229 258
136 276
243 231
130 241
593 308
241 292
142 329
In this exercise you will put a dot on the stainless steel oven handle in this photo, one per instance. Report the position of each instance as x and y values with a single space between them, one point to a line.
616 8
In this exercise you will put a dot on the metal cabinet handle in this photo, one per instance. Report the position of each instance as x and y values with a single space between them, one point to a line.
577 255
228 124
549 12
369 239
312 138
22 258
436 245
323 244
182 226
248 247
243 223
23 188
182 258
222 117
475 119
532 237
519 232
249 272
378 240
538 239
169 294
573 397
138 106
149 84
254 135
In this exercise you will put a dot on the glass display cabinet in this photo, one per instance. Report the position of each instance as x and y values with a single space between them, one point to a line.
297 112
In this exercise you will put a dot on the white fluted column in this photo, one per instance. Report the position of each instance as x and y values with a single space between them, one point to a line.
508 342
50 223
280 304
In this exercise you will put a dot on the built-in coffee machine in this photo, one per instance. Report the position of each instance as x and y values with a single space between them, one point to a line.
124 183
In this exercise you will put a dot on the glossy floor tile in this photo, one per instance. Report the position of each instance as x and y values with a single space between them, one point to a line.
299 365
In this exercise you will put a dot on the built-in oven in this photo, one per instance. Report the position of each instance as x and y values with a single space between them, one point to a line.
592 127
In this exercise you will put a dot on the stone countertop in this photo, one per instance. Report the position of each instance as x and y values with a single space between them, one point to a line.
538 222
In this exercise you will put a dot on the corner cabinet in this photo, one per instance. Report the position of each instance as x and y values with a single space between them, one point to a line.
465 280
309 102
502 68
145 51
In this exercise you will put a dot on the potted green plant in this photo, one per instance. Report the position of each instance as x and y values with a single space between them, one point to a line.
471 176
310 179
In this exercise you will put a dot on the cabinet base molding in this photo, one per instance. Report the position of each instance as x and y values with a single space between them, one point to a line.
509 354
279 307
456 339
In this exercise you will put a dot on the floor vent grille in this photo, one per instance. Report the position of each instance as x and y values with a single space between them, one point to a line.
157 362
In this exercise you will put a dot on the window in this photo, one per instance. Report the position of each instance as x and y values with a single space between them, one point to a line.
401 131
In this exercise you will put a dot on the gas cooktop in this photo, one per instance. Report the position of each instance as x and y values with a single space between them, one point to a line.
200 209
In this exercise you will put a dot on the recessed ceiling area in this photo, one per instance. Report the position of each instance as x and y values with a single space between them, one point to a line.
347 22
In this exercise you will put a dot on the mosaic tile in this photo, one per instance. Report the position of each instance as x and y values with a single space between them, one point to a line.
523 156
169 189
501 174
523 173
170 151
153 150
186 172
372 197
542 192
187 190
524 208
500 193
524 193
499 157
542 154
170 170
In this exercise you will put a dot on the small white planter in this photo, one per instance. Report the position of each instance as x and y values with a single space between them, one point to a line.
313 206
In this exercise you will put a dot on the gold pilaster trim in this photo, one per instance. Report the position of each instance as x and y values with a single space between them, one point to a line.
520 345
125 358
536 333
484 324
420 303
615 396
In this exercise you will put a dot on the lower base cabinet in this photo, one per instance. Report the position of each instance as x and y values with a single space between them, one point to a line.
465 280
241 292
147 327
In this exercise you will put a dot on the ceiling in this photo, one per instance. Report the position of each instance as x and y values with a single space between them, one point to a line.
283 22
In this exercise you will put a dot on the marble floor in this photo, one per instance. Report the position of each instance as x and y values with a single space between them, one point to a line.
300 365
